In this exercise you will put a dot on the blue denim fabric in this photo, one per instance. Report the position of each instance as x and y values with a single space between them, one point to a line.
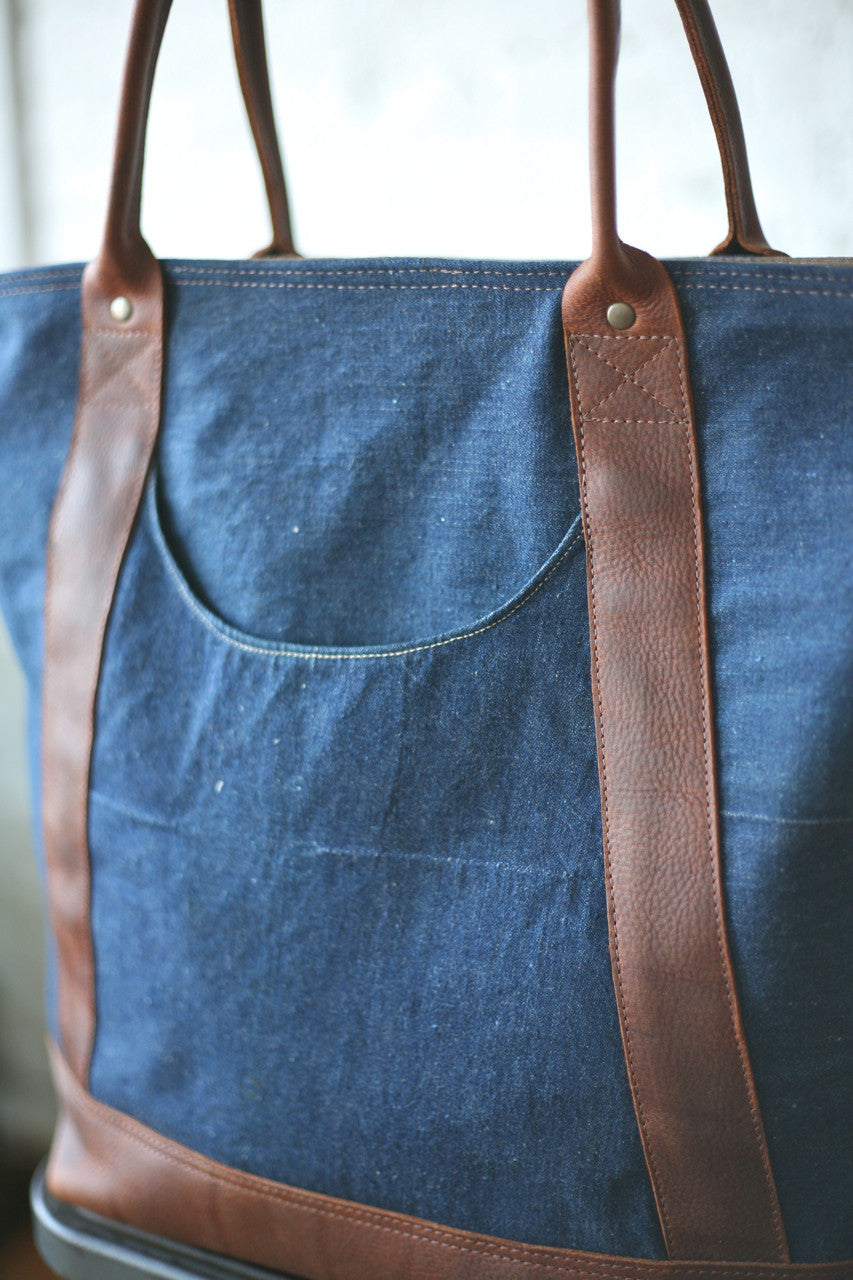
348 899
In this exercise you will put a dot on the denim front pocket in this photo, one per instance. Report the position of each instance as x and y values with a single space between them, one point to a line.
371 453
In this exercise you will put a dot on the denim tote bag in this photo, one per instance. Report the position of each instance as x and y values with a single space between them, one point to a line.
441 687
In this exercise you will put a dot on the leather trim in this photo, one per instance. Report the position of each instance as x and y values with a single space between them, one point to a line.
685 1050
118 415
681 1028
114 1166
114 436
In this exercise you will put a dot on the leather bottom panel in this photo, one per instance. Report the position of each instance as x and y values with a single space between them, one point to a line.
109 1164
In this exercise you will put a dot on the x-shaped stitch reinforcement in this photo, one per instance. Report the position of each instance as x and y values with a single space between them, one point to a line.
633 380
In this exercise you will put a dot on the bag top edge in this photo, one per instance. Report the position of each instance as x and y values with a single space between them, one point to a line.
66 275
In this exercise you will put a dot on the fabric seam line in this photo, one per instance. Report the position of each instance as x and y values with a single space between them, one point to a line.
341 655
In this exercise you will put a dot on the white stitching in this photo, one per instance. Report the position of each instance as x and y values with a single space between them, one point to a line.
754 288
49 288
364 271
782 278
365 288
321 654
579 339
238 284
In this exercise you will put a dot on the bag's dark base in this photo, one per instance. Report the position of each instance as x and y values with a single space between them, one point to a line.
78 1245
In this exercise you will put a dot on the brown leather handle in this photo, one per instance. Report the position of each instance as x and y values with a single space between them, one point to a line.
745 234
123 244
247 29
123 247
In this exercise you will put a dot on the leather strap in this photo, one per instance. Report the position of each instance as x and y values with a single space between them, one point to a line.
681 1028
247 28
744 235
122 234
118 415
110 1164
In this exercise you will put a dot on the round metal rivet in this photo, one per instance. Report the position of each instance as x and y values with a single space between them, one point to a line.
620 315
121 309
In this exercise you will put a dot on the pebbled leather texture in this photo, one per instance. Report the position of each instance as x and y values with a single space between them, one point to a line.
114 1166
118 416
681 1029
632 416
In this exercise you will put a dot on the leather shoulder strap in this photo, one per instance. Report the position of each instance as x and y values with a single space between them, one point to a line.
684 1044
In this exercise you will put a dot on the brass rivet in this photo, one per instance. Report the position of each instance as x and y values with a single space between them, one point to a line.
121 309
621 315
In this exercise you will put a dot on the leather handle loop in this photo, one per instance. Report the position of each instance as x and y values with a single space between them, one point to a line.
745 234
124 248
247 29
604 30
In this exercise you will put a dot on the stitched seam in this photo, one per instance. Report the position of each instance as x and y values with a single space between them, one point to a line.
379 1220
273 652
39 275
365 271
529 1255
626 337
755 275
48 288
677 272
754 288
626 378
342 288
709 861
123 333
653 1169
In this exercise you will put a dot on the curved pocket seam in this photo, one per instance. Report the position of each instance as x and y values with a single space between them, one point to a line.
224 633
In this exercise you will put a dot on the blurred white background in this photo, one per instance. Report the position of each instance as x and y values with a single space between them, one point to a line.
455 128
